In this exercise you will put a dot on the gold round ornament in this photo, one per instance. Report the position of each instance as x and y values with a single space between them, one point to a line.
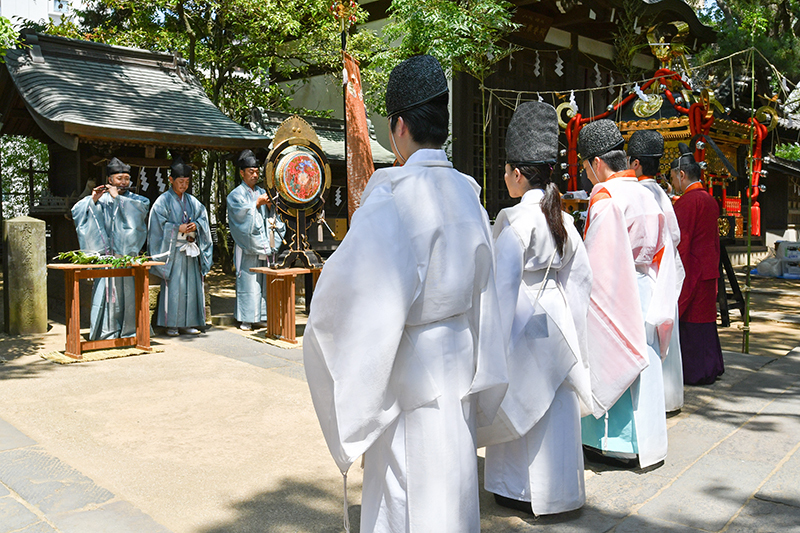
648 108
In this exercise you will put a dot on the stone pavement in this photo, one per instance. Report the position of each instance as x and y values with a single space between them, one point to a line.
217 434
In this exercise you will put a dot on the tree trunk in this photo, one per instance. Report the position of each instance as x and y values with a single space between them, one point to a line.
225 253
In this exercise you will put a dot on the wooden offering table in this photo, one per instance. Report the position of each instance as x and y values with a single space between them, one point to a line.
74 273
280 299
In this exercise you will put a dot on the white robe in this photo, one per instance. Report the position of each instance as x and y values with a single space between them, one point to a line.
403 350
631 316
547 368
672 365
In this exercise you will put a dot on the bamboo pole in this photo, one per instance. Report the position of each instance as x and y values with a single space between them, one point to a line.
746 317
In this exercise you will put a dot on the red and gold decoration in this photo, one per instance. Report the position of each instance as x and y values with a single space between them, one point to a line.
344 11
701 122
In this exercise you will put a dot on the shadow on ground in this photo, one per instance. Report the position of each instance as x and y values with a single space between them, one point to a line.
295 506
13 348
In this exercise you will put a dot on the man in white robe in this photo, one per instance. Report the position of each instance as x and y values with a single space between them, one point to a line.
112 221
645 148
258 233
180 236
403 350
630 312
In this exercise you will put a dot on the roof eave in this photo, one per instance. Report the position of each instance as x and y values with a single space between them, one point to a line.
168 140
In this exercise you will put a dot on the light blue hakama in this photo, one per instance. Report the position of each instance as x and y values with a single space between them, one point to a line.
258 233
636 423
182 302
112 226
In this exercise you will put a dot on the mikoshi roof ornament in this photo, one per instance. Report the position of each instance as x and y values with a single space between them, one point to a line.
297 177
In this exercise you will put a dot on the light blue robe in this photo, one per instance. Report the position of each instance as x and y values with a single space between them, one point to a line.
112 226
256 232
182 301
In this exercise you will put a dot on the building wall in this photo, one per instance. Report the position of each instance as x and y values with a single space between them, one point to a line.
38 10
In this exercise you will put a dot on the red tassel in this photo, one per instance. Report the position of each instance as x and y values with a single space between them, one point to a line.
755 219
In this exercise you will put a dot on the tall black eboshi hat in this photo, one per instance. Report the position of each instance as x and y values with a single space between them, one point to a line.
685 159
247 159
414 82
598 138
179 169
532 135
646 143
115 166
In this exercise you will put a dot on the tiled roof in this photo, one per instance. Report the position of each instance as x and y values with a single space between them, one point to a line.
330 132
90 91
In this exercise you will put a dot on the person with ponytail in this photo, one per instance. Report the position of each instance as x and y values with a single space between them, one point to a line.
534 459
697 213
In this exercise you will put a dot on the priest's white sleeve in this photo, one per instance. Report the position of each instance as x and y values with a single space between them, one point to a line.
357 319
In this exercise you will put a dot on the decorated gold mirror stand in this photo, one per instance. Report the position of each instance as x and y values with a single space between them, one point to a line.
297 177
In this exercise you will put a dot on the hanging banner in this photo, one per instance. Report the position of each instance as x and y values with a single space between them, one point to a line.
359 153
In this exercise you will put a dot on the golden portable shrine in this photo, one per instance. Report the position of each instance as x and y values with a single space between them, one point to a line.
722 146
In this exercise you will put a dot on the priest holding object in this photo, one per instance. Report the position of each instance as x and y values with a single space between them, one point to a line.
180 236
112 221
258 232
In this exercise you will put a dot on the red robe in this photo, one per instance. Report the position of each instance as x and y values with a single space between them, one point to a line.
697 213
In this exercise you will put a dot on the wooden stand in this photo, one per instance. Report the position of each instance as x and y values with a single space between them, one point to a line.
723 296
280 299
72 276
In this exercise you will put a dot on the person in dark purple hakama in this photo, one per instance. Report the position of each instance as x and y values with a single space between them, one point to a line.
697 213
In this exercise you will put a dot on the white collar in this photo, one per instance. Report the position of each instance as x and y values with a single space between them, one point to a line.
532 196
429 157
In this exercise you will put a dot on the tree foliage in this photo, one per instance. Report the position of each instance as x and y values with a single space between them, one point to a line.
789 151
8 36
238 49
465 36
18 154
771 26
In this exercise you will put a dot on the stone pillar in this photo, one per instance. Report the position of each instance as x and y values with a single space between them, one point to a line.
25 280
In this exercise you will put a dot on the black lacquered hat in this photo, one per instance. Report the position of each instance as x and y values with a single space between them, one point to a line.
247 159
685 159
414 82
115 166
598 138
646 143
179 169
532 135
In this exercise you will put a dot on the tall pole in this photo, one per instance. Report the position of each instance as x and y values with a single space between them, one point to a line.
343 22
746 327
